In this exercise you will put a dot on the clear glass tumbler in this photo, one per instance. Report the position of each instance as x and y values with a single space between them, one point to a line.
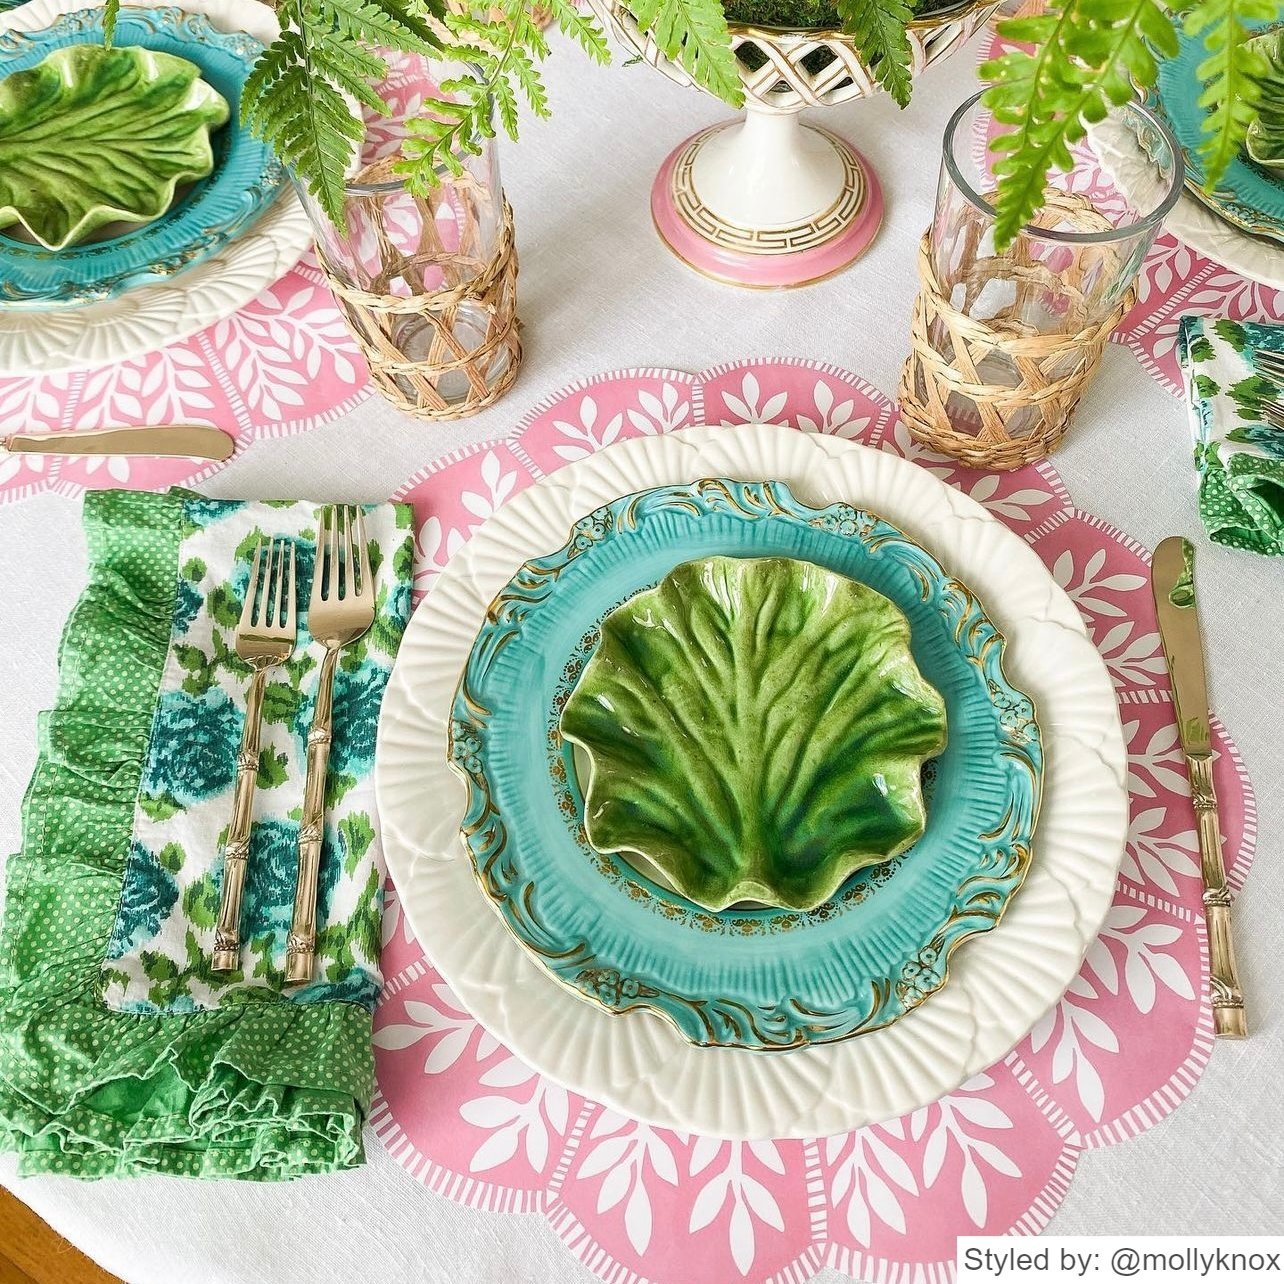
1049 296
427 283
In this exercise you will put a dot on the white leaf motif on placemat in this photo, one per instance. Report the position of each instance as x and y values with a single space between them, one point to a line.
1086 586
512 1122
957 1116
586 436
746 407
1154 858
1160 764
499 485
1083 1032
625 1150
750 1201
865 1175
445 1019
1133 659
659 414
834 417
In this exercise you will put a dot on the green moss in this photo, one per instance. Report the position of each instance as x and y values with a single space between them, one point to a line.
806 15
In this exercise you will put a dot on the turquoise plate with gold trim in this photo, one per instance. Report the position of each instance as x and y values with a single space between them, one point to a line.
748 978
202 220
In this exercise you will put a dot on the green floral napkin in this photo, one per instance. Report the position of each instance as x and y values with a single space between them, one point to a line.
120 1050
1239 455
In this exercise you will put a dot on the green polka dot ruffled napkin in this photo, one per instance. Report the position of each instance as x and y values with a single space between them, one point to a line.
121 1050
1239 455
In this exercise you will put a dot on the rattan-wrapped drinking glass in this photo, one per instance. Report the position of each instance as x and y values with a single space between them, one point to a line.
1003 344
427 283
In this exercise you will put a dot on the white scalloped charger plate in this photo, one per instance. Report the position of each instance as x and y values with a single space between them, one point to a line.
1189 221
1000 984
151 316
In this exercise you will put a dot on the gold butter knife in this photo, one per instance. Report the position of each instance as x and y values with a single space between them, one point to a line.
184 441
1172 579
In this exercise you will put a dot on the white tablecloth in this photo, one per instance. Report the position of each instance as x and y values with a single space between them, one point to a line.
599 292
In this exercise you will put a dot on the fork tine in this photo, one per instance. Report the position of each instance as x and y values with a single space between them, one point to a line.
267 616
332 566
366 588
349 556
291 595
252 588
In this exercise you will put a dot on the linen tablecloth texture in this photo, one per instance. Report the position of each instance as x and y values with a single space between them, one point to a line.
1239 455
120 1050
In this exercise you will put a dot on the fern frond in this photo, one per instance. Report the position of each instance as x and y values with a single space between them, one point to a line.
1086 57
583 30
375 23
694 33
299 95
877 28
111 11
1232 75
416 16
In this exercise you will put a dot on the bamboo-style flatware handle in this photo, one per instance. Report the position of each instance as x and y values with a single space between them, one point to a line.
1227 997
236 850
302 942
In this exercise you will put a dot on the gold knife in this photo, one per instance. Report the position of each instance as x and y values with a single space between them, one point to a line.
186 441
1172 579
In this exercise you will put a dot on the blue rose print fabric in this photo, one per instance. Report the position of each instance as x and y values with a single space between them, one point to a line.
158 953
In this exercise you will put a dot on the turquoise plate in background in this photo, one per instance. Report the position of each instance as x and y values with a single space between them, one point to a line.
748 978
245 179
1249 197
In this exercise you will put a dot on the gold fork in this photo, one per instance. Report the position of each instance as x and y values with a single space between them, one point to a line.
340 610
264 638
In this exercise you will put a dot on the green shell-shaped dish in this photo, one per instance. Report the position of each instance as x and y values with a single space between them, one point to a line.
92 135
756 729
1265 141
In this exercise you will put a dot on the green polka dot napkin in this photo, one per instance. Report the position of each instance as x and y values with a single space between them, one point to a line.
121 1052
1239 455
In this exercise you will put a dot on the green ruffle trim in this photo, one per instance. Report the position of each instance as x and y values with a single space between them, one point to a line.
1241 501
261 1090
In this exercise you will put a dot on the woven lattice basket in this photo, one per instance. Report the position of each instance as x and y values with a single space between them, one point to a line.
786 70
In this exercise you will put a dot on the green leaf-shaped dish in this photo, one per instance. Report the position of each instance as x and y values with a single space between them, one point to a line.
756 729
1265 141
92 135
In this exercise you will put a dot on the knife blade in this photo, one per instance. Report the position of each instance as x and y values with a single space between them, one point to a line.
183 441
1172 580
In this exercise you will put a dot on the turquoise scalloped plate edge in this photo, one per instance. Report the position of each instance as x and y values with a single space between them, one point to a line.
245 180
1248 197
531 858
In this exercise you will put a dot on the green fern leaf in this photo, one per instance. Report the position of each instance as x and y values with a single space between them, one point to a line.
586 33
111 11
694 33
370 23
1087 55
1232 73
526 75
877 28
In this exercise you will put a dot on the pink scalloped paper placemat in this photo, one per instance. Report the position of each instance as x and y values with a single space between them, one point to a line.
1121 1050
282 364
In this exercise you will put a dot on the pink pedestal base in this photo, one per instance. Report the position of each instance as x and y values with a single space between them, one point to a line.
713 250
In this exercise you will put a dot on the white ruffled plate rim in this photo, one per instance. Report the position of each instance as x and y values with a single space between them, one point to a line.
1000 983
1190 221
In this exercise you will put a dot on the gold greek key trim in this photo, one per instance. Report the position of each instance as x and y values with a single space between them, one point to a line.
809 235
